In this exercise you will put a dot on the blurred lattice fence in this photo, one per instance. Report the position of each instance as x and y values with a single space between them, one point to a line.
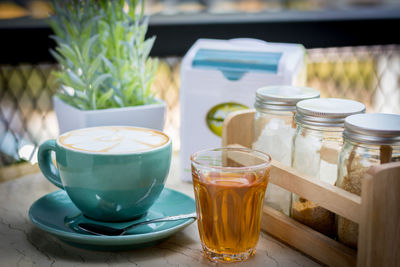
367 74
26 116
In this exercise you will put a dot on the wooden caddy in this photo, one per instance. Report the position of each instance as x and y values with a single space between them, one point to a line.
377 211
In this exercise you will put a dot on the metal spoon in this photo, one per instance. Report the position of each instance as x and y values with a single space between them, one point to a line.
98 229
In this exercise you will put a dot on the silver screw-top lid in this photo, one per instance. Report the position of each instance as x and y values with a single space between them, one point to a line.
282 97
326 112
379 129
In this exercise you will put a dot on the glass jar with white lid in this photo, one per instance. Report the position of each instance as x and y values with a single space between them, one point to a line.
316 146
369 139
274 129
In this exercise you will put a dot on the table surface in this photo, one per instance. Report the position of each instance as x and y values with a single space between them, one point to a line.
23 244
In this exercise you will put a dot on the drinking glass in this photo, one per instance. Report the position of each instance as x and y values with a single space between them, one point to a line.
229 186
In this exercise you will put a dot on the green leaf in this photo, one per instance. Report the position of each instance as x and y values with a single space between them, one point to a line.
94 66
81 95
109 66
100 79
73 101
55 26
67 52
89 27
147 45
77 51
71 30
58 74
58 57
105 97
87 46
130 88
78 83
118 101
57 39
66 98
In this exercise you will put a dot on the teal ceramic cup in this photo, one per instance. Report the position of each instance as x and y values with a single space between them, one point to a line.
106 186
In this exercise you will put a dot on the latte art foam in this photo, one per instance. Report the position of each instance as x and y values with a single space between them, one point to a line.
113 139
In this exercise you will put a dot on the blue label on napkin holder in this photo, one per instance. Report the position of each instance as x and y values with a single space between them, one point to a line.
234 64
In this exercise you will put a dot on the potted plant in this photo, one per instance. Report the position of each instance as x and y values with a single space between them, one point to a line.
105 69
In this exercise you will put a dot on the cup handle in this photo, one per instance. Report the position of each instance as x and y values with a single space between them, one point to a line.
46 164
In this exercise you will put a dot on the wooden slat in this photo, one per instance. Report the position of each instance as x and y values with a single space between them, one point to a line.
306 239
327 196
238 128
379 240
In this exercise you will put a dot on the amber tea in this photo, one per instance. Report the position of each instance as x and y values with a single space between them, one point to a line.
229 205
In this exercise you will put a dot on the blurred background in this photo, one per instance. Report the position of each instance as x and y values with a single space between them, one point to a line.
353 51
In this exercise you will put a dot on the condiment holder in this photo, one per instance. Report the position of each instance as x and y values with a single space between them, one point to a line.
376 210
274 128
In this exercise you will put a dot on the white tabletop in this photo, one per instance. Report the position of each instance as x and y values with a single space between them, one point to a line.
23 244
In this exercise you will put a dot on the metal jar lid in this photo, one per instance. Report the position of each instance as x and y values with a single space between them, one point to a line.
379 129
282 97
326 112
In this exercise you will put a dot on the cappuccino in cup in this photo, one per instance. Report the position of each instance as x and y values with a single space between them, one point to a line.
110 173
113 139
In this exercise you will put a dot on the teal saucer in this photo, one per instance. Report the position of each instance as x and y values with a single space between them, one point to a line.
57 215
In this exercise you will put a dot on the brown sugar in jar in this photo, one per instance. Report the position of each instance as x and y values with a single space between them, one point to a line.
369 139
315 152
314 216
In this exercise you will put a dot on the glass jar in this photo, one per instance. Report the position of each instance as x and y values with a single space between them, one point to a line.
274 129
369 139
316 145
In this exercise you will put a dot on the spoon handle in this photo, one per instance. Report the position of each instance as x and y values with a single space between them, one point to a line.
165 219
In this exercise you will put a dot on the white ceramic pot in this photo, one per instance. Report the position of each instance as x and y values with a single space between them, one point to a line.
148 116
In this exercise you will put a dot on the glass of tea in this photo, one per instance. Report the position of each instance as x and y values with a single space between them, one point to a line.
229 186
